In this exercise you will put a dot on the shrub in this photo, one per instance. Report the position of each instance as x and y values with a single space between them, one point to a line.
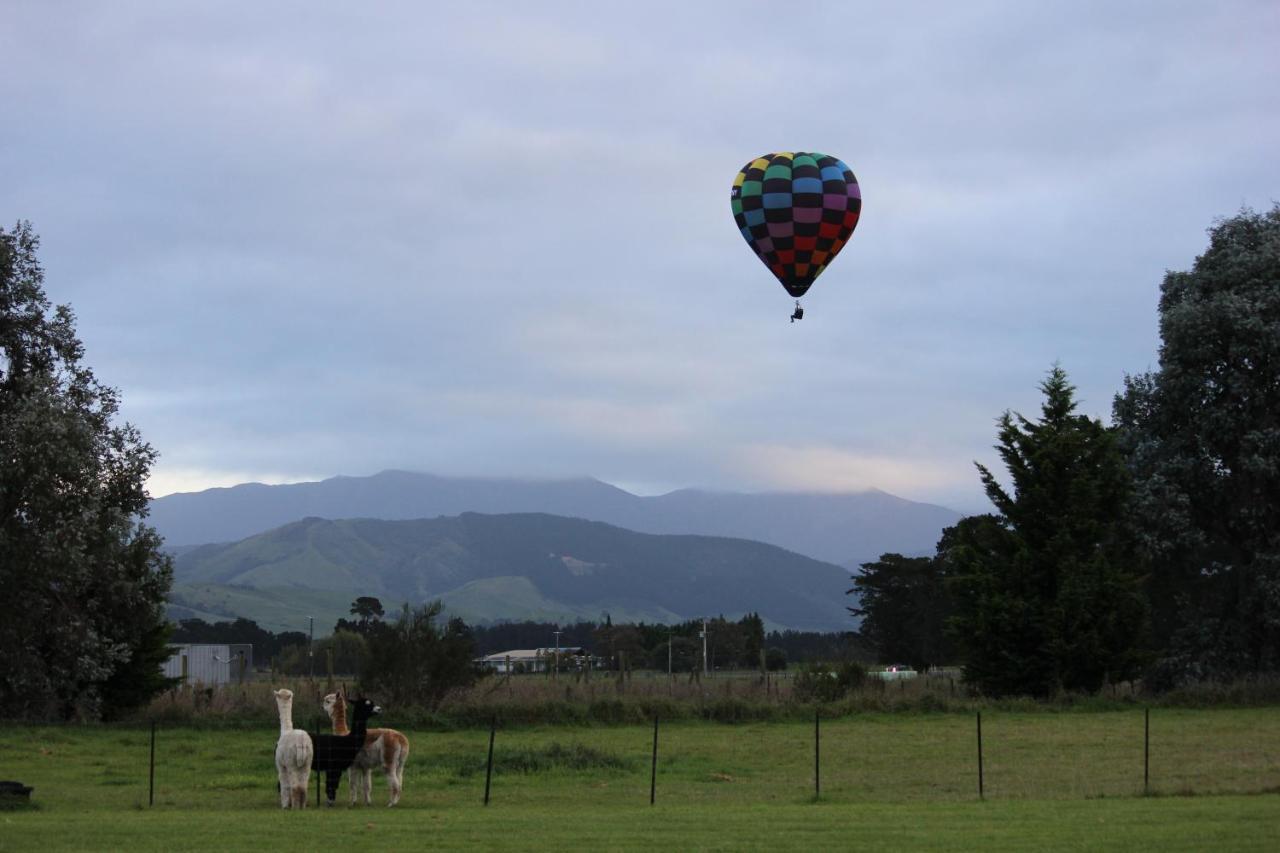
414 662
822 682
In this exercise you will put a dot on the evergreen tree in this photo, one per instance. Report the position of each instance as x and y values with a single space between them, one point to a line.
82 632
1046 594
1202 434
904 608
367 608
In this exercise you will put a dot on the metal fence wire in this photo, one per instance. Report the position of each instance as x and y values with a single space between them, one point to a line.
849 758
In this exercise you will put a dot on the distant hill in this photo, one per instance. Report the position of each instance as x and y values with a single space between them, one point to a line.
505 567
845 529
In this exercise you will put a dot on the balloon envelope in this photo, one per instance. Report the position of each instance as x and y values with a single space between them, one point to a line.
796 211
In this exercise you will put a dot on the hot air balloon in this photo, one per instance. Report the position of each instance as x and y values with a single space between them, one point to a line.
796 211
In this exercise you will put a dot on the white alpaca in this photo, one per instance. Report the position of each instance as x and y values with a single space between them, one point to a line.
294 752
384 748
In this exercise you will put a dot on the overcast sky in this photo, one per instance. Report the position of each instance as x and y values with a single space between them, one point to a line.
495 239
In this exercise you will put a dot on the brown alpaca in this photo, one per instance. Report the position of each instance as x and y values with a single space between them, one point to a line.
385 748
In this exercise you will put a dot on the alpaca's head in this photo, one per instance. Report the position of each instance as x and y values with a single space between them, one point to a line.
284 704
362 709
333 702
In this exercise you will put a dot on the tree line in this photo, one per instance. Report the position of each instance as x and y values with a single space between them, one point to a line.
1147 548
731 644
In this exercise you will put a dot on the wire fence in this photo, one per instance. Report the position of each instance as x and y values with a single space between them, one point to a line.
850 758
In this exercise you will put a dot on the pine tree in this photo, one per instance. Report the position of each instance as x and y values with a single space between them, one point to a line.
1047 595
904 607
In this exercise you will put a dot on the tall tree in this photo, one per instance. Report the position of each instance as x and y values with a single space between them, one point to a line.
415 661
904 607
1047 597
1202 434
84 580
368 609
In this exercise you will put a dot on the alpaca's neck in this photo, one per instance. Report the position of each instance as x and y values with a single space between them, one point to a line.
340 717
286 715
361 727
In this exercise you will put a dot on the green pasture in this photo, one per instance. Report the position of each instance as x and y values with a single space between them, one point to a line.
1069 780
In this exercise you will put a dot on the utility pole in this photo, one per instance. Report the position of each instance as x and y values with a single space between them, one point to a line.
668 652
556 671
704 647
311 640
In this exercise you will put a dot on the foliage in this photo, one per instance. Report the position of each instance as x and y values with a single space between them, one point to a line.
817 646
136 680
367 608
504 636
368 611
820 682
85 578
904 607
1202 434
350 653
266 644
415 662
1046 595
730 644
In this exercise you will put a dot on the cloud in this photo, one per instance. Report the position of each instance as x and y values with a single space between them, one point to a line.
171 480
495 239
835 469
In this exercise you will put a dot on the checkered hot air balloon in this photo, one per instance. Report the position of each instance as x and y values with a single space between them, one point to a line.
796 211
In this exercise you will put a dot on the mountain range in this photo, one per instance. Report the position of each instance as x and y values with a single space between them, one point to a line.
513 566
552 550
845 529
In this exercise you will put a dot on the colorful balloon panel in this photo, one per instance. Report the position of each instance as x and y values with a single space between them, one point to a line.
796 211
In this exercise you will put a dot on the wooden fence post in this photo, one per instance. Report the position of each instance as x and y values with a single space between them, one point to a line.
1146 752
151 785
817 786
980 791
488 773
653 771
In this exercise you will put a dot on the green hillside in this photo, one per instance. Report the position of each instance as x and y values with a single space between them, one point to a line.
274 608
495 567
518 599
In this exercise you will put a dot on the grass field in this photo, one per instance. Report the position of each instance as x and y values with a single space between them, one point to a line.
889 781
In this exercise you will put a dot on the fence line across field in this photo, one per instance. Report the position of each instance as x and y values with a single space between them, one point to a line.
817 758
842 746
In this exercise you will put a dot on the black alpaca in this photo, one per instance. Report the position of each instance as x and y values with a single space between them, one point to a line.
335 753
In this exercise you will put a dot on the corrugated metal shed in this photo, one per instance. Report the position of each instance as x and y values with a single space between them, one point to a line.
210 663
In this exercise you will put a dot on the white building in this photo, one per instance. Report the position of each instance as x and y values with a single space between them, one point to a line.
528 660
210 663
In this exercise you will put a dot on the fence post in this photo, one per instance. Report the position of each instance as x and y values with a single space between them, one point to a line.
980 792
1146 752
817 785
653 771
488 773
151 785
316 739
